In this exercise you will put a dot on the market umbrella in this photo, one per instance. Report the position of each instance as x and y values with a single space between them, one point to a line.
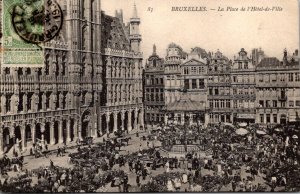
278 130
229 124
295 137
241 131
243 124
260 132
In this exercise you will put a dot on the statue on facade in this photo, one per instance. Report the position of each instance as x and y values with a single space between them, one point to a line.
61 100
53 100
34 101
3 103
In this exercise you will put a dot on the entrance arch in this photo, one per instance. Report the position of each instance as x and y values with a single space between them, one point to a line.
47 133
8 141
111 123
56 132
119 119
126 121
38 133
86 124
133 119
28 137
103 124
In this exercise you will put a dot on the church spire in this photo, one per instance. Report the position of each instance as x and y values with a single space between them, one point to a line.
134 11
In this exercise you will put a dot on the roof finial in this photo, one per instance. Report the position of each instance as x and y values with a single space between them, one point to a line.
154 49
134 11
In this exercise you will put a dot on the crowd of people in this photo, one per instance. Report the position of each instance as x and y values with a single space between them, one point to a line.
226 161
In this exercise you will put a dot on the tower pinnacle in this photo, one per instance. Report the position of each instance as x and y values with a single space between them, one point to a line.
134 11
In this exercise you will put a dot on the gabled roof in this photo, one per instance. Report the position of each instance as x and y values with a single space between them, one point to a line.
192 62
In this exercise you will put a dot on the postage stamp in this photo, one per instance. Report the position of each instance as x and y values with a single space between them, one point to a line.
27 24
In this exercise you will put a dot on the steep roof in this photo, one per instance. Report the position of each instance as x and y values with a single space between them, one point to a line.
113 33
269 62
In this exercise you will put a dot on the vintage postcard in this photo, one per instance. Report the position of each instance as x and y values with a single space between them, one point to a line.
149 96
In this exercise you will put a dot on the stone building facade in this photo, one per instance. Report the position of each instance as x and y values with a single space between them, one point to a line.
91 82
154 89
219 88
243 88
278 90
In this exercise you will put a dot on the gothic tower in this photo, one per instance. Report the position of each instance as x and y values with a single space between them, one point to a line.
135 37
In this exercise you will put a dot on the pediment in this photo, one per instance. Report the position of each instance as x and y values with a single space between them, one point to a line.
193 62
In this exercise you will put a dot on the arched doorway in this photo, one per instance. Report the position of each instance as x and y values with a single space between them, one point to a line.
28 137
133 119
103 124
56 132
283 119
111 123
86 124
126 121
8 141
47 133
18 135
72 123
38 133
119 124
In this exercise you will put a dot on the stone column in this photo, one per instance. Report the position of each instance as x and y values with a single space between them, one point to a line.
129 121
142 118
115 122
68 126
23 137
99 125
80 131
60 132
1 141
135 120
107 123
52 138
25 102
75 129
33 133
123 120
182 119
206 119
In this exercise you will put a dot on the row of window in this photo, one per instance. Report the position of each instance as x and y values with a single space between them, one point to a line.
194 83
154 81
154 90
218 79
291 77
219 104
219 91
268 118
155 97
194 70
243 91
243 79
243 103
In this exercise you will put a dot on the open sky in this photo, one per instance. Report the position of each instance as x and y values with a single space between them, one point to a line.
228 31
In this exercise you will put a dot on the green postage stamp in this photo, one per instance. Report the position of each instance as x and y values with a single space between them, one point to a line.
26 26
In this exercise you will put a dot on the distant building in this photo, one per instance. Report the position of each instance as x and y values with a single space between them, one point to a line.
154 89
219 88
243 88
278 90
257 56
